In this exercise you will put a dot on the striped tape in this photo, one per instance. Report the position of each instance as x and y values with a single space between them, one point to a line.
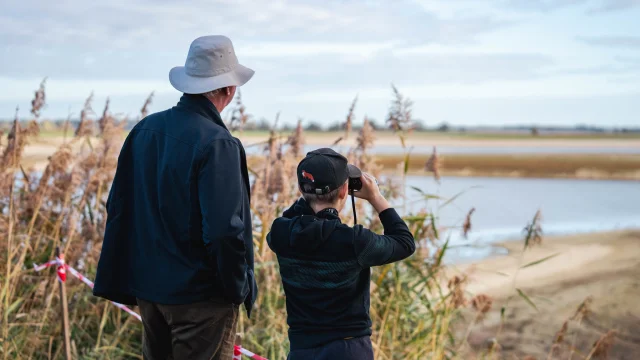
62 269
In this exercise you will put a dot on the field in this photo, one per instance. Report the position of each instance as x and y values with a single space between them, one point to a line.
53 195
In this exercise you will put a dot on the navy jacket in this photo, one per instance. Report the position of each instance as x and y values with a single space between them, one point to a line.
325 270
179 225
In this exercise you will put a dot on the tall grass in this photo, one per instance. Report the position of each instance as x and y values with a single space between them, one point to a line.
414 307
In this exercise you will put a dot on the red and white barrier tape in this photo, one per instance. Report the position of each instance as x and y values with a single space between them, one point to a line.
247 353
62 269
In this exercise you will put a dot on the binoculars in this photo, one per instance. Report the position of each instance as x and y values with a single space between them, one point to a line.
355 179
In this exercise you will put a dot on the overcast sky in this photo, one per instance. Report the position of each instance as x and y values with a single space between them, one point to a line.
472 62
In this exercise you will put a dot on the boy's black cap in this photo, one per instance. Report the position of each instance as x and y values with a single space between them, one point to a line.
325 170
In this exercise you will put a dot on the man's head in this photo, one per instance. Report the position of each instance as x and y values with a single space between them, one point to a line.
323 179
211 69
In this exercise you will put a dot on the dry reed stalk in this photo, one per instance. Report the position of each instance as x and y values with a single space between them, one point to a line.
434 164
581 313
533 231
85 127
7 291
38 101
366 137
348 124
456 289
602 347
558 341
583 310
481 304
145 107
466 226
296 141
399 117
278 178
105 119
533 235
239 116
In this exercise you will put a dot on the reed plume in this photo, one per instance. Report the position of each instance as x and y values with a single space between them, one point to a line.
145 107
433 164
239 116
466 227
85 127
296 141
348 124
602 347
38 101
400 117
481 304
106 119
533 231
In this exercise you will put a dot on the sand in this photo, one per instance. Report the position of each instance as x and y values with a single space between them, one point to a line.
605 266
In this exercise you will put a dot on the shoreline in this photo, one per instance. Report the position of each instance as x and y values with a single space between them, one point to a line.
612 166
605 266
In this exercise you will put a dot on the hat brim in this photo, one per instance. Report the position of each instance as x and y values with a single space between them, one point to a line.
188 84
353 171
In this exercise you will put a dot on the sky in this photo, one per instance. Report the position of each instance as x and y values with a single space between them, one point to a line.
465 62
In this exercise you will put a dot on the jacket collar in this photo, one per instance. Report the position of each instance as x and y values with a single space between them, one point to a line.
302 208
201 105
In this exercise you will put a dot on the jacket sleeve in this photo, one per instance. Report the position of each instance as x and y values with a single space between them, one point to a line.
220 191
396 244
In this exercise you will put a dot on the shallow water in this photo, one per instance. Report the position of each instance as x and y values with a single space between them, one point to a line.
505 206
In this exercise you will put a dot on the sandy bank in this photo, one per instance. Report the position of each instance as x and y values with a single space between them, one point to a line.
605 266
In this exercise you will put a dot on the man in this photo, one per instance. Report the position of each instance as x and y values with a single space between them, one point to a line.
178 240
325 265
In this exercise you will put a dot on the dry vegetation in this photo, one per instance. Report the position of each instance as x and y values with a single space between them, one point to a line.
416 311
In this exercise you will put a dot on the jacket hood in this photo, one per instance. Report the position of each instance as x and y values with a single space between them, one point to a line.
309 230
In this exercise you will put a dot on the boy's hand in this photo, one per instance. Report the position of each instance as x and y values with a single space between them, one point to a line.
369 189
371 192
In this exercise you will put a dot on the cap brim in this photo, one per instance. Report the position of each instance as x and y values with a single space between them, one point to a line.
188 84
353 171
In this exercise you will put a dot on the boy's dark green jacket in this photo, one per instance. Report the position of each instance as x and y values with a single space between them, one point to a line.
325 269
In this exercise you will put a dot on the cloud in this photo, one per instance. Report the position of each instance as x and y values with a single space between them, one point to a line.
556 87
305 49
612 41
76 90
594 6
139 25
615 5
541 5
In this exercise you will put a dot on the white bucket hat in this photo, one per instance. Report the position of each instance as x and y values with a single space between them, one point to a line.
211 64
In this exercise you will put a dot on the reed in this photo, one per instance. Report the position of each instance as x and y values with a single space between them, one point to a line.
415 309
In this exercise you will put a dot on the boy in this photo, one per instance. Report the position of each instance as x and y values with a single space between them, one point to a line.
325 265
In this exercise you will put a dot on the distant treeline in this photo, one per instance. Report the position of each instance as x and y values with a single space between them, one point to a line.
418 125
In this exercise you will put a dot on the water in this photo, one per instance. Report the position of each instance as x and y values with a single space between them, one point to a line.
505 206
484 150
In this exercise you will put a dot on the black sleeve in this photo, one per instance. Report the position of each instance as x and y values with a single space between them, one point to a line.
396 244
220 191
